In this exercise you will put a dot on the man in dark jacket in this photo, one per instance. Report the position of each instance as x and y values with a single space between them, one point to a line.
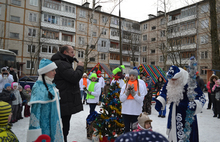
199 81
67 81
13 73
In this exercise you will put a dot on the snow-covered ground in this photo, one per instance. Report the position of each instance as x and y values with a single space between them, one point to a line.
209 127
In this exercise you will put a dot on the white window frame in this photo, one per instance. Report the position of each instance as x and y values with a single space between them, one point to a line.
104 31
161 58
49 46
17 35
16 2
91 60
81 27
31 64
144 59
34 2
162 33
203 72
104 19
145 26
103 56
204 8
31 48
34 17
80 54
15 17
82 13
93 33
144 48
205 23
31 31
81 40
204 39
204 55
103 43
144 37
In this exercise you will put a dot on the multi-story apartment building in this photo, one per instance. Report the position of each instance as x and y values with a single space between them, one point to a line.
35 29
20 28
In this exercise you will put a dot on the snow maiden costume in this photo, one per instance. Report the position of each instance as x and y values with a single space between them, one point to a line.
45 108
186 100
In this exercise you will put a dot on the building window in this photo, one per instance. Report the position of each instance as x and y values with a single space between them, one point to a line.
34 2
204 39
114 32
51 4
205 8
145 26
82 27
49 49
161 59
32 17
82 13
14 35
144 48
29 64
67 38
153 28
15 19
162 33
94 21
81 40
31 32
16 2
144 59
153 51
162 46
93 33
152 63
80 54
31 48
67 22
135 59
103 44
153 39
50 18
102 56
104 19
92 59
204 55
202 71
144 37
162 21
205 23
104 31
50 34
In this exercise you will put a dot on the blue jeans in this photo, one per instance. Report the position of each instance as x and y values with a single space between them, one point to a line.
128 121
83 95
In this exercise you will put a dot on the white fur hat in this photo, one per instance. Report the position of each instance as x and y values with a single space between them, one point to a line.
45 66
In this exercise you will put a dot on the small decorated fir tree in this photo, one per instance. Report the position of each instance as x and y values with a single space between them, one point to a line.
110 124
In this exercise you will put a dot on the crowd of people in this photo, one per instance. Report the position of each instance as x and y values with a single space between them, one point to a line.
61 91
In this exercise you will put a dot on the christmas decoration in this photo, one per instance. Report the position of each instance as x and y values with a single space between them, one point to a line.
109 124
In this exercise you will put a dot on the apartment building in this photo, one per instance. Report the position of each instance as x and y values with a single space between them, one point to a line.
20 28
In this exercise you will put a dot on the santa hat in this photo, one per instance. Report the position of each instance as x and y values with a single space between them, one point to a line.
45 66
5 111
174 72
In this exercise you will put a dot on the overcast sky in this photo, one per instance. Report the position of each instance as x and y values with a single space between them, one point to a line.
138 9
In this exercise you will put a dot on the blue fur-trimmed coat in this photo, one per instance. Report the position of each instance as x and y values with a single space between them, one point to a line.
177 114
45 113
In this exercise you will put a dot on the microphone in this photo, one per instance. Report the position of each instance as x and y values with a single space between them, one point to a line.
74 59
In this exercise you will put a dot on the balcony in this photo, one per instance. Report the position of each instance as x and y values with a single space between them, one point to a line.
57 27
46 55
125 52
188 18
54 41
118 62
184 61
58 12
183 33
114 37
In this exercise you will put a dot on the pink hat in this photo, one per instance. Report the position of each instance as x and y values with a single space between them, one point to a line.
27 86
14 84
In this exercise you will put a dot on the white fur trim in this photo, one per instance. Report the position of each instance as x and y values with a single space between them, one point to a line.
198 107
185 74
172 133
163 102
33 134
47 68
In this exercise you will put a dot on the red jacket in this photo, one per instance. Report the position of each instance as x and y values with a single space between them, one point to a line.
208 87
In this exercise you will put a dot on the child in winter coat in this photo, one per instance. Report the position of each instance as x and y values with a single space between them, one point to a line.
84 81
144 122
16 103
27 94
132 96
147 101
22 104
6 94
6 135
93 93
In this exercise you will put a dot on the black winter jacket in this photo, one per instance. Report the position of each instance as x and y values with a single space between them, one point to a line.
67 81
7 96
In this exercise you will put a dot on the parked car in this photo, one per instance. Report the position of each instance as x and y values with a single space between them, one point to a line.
28 80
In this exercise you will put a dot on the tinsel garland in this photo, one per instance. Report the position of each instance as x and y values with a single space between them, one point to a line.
113 119
114 108
191 94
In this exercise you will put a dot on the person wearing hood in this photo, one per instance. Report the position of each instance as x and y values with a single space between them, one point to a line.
159 84
5 77
84 81
67 81
93 92
45 106
102 84
213 79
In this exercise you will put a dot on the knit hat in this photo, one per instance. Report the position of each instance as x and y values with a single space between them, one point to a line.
27 86
7 84
45 66
14 84
84 74
134 72
98 72
93 75
20 87
5 111
143 118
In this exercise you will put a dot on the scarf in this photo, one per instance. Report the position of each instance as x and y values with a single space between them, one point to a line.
85 82
135 88
91 89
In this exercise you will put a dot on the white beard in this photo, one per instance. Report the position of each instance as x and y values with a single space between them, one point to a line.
175 90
